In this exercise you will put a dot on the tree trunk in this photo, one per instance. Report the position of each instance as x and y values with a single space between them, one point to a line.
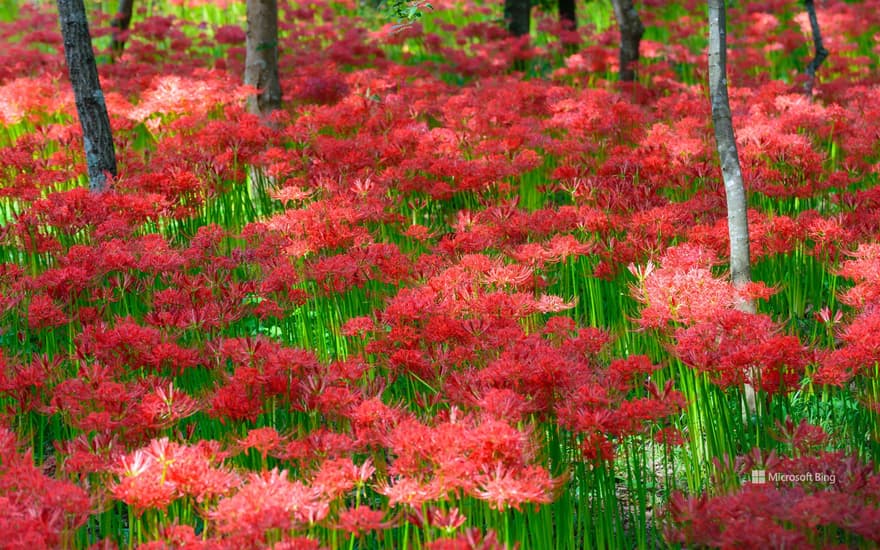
120 24
518 15
821 52
567 14
734 188
90 105
261 61
631 32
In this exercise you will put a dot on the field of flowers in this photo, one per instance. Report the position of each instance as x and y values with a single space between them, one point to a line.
464 292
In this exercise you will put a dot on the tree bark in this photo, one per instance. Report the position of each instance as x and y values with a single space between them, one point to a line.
261 58
120 23
518 15
821 52
731 172
90 105
631 32
567 14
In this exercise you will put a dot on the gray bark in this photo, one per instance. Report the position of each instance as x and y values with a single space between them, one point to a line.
120 23
631 32
737 222
821 52
90 105
518 16
734 188
261 58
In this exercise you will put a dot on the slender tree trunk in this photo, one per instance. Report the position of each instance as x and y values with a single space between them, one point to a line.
734 188
821 52
567 14
120 24
518 15
631 32
261 61
90 105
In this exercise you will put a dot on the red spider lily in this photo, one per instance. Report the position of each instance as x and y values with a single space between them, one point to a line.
863 269
372 420
504 489
90 454
264 440
669 436
362 519
43 313
448 522
860 352
682 290
411 492
155 476
733 344
37 509
319 444
471 539
165 406
813 501
268 501
336 477
803 438
96 401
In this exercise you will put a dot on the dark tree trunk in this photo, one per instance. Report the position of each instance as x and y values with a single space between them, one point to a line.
821 52
567 14
261 61
90 105
120 23
518 15
631 32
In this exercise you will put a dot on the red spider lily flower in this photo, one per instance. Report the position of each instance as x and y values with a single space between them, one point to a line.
143 486
682 290
409 491
155 476
336 477
806 501
508 488
670 436
297 543
292 194
504 404
446 521
803 437
358 326
363 519
318 445
863 269
164 406
737 347
554 304
96 401
861 349
825 316
90 454
630 368
268 501
471 539
43 313
39 511
177 536
264 440
229 35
